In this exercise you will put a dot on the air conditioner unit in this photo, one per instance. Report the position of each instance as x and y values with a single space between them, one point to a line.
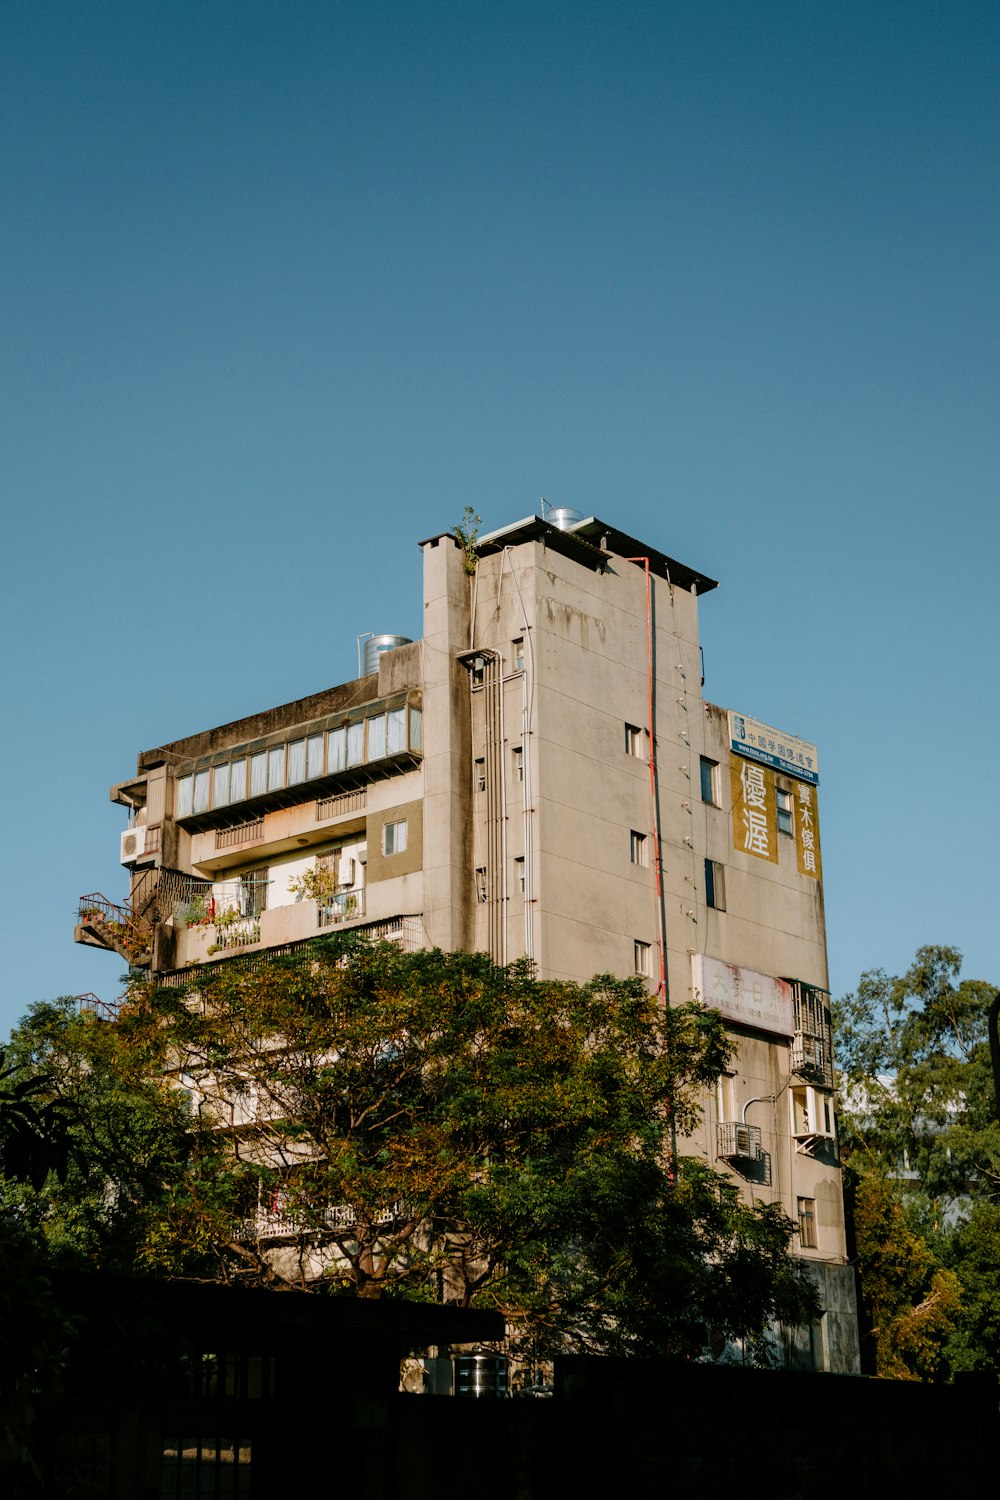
133 845
738 1142
345 872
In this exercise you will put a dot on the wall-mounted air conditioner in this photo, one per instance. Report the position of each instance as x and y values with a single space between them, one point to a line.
738 1142
345 871
133 845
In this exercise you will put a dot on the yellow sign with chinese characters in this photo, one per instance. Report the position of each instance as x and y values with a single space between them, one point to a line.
807 831
755 818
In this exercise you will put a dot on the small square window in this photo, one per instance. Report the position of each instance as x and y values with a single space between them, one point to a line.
479 778
517 762
807 1223
786 806
710 781
633 741
638 848
519 873
715 885
518 646
394 837
642 958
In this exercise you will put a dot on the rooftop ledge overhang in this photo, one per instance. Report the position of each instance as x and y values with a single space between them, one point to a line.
592 543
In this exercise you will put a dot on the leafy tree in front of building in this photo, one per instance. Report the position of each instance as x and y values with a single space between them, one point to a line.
922 1142
374 1123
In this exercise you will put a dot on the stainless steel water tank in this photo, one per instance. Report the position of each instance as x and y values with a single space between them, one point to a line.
378 644
481 1374
563 517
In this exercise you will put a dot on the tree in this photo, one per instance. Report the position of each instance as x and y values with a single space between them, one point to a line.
918 1128
431 1126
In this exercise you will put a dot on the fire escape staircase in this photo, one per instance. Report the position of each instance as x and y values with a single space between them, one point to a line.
127 927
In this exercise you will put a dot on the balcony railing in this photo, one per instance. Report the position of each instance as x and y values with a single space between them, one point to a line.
346 906
104 1010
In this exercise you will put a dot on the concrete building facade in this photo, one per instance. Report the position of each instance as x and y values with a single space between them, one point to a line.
539 775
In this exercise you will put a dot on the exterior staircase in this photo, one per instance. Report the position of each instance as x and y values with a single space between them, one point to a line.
106 924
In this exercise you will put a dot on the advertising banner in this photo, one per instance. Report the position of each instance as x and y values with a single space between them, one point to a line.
772 747
743 996
755 818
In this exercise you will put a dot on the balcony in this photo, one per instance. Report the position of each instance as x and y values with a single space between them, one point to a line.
345 907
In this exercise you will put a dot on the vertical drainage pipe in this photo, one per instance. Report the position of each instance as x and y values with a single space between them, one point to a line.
662 988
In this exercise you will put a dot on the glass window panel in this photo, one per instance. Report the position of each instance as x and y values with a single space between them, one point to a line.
376 738
338 749
185 796
296 762
220 786
258 774
314 756
416 729
397 730
202 780
276 767
355 743
238 780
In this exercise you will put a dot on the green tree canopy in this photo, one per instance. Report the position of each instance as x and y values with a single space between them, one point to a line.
424 1125
919 1131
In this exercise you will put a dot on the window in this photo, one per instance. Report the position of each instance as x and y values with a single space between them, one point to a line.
812 1111
481 883
396 720
642 957
276 767
638 848
725 1097
479 779
338 749
296 762
355 743
786 806
314 756
710 781
394 837
238 780
376 737
807 1223
517 762
715 885
519 873
258 774
220 786
518 646
416 729
477 671
633 741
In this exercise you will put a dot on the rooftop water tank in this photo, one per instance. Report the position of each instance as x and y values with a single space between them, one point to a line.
563 517
379 643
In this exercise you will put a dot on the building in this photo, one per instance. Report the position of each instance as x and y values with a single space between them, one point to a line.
539 775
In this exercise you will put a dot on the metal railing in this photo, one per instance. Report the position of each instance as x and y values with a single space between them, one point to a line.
116 925
340 803
104 1010
245 832
346 906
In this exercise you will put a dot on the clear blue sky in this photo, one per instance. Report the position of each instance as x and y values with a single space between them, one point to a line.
285 286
